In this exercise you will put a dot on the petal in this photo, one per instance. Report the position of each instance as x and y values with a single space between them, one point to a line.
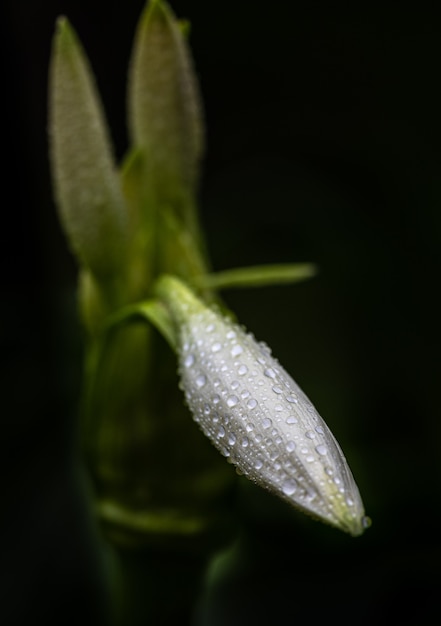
258 417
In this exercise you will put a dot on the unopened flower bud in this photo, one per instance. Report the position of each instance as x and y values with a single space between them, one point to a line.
257 416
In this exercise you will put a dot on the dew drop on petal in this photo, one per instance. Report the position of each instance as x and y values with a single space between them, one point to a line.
292 399
236 350
289 487
201 380
216 347
252 403
245 442
232 401
189 360
242 370
290 446
270 372
221 431
292 420
321 449
266 423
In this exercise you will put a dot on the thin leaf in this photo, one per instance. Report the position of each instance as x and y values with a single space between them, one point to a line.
256 276
152 311
85 180
165 118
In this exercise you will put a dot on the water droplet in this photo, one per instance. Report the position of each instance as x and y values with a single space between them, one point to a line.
270 372
216 347
201 380
292 399
278 407
210 328
258 438
216 382
366 521
278 440
207 409
221 431
245 394
232 401
321 449
249 427
216 399
236 350
235 384
329 471
289 487
245 442
242 370
290 446
225 451
265 348
266 423
310 434
292 420
252 403
231 439
231 334
319 430
189 360
349 502
258 464
277 389
309 458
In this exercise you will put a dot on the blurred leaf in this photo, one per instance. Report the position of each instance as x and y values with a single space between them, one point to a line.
164 104
256 276
86 184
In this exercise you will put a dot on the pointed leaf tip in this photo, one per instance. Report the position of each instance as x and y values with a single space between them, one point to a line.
164 104
85 180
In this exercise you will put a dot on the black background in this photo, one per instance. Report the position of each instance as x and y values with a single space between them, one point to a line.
323 140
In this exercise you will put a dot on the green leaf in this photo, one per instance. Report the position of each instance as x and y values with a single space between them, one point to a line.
152 311
165 118
256 276
85 179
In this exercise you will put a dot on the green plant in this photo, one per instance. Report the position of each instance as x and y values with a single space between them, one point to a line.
144 268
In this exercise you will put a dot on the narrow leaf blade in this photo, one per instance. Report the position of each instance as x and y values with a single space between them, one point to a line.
165 118
85 180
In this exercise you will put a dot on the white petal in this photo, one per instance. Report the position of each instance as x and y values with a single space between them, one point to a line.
259 418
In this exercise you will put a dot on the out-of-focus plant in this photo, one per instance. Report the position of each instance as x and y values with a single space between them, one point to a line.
144 267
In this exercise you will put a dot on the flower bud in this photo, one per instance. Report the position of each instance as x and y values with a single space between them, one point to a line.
257 416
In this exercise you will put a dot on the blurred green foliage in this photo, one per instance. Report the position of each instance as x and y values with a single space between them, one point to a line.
344 169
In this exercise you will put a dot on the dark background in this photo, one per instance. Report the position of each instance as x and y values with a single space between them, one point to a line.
323 139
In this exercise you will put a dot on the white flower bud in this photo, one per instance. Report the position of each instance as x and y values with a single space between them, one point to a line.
257 416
